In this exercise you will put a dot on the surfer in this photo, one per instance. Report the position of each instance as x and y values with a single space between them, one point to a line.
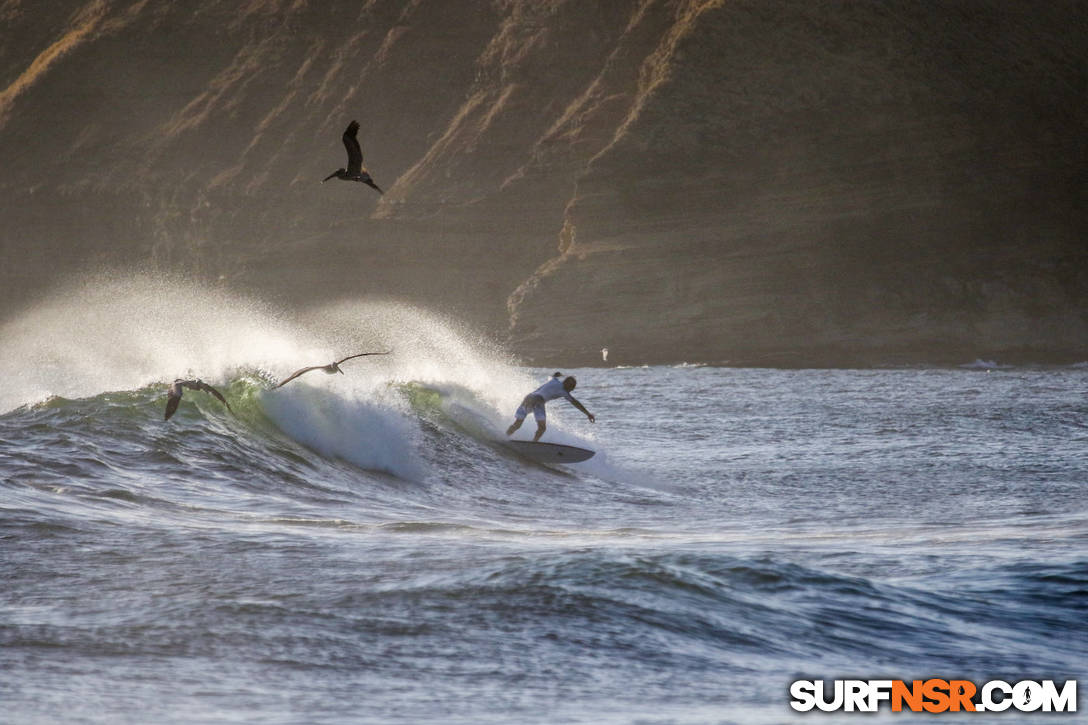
176 390
556 387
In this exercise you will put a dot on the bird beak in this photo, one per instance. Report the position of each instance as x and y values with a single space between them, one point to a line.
339 371
328 177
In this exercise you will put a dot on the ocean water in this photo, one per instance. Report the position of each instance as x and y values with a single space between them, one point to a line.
357 549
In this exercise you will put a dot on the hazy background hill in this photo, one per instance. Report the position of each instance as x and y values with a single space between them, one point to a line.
761 182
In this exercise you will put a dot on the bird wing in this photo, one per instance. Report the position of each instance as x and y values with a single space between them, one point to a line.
355 153
361 354
201 385
295 374
172 403
207 388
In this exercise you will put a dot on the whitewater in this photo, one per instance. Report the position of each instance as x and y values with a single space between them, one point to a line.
359 548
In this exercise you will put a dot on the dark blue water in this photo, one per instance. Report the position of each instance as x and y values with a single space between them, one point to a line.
356 548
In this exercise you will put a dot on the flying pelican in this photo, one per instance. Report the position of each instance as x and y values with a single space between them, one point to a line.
333 367
355 170
176 390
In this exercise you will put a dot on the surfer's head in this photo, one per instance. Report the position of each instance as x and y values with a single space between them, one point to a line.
557 374
569 383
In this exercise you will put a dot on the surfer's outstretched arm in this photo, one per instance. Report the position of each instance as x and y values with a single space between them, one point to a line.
579 406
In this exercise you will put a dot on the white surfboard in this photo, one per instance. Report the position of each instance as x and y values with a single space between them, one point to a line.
550 452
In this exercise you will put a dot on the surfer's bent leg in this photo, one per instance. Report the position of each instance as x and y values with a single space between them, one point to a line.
519 416
541 416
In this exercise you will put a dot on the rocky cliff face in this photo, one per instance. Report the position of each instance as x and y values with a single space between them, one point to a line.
865 182
761 182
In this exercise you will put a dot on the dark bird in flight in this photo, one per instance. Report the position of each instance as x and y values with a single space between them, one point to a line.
176 390
333 367
355 170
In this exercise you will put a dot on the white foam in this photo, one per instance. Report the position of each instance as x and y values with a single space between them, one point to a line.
427 347
111 332
123 331
980 364
365 426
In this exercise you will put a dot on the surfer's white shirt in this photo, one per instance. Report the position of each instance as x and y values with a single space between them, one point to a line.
553 389
535 400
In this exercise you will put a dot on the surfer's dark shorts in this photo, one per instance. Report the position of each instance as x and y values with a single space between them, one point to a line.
534 403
